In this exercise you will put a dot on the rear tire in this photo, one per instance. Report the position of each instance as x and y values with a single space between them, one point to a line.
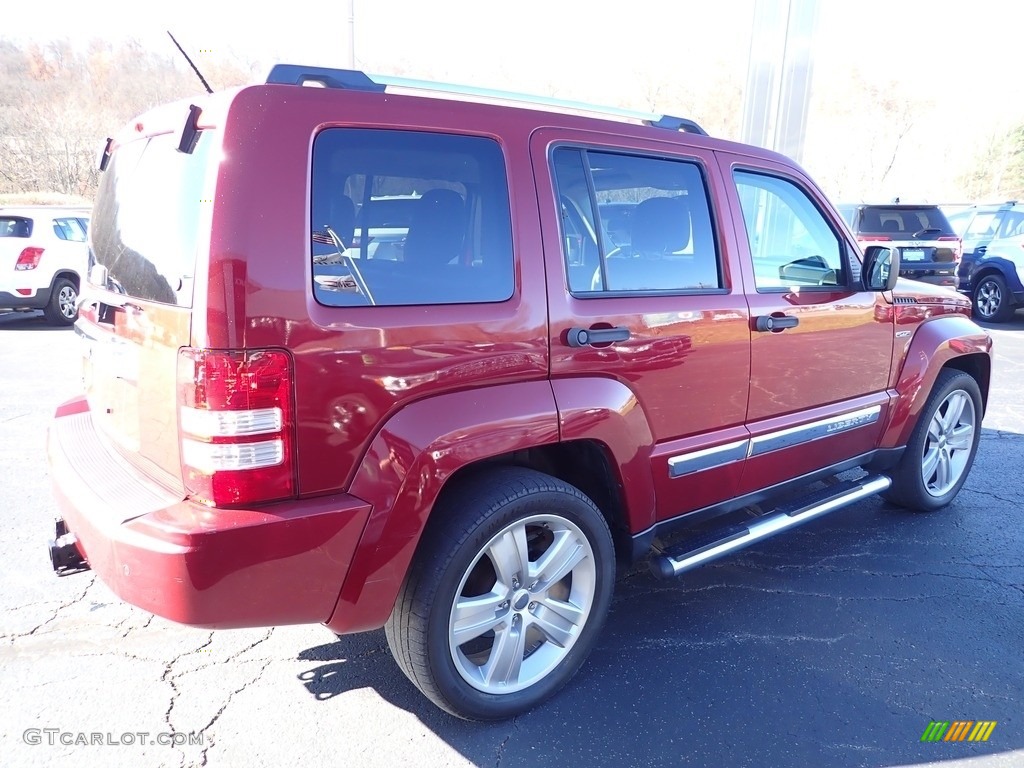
506 595
992 301
941 449
62 308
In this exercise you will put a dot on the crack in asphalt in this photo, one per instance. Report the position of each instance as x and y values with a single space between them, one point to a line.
860 572
145 625
66 604
1002 435
207 742
776 590
170 678
742 637
499 756
1011 502
232 657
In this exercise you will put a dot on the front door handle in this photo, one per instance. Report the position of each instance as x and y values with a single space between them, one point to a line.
582 337
777 322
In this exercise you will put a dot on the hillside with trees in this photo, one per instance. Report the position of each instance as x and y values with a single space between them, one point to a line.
866 134
59 102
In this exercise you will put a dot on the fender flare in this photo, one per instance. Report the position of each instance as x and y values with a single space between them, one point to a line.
1003 267
424 444
936 343
403 472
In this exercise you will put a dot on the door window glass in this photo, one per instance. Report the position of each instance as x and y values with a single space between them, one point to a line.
791 242
634 224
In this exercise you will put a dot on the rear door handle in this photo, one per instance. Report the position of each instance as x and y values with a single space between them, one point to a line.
582 337
778 322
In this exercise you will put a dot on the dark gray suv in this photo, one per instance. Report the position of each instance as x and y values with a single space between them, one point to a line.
929 248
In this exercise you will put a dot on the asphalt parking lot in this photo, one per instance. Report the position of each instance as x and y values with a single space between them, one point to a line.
833 645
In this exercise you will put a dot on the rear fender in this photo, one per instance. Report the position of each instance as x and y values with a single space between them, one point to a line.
935 344
423 445
406 466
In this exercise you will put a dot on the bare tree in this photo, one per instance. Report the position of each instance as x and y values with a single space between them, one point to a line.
997 171
58 103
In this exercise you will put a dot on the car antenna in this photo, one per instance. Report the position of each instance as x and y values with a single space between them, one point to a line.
190 63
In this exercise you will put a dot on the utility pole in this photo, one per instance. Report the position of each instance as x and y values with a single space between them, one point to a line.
350 26
778 91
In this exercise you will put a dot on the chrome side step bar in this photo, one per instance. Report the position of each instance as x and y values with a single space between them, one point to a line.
691 554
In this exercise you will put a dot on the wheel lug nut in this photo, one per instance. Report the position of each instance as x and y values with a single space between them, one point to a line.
532 606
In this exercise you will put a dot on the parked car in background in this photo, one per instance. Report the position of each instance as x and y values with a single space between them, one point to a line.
995 281
43 257
991 279
929 247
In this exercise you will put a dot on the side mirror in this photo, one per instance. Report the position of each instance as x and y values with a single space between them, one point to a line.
881 268
98 275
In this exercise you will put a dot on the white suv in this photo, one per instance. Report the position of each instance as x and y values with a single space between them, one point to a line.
43 256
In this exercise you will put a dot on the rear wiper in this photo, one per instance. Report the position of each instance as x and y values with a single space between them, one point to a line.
927 231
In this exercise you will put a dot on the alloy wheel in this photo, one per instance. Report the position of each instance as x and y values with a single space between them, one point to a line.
522 604
989 298
947 447
66 300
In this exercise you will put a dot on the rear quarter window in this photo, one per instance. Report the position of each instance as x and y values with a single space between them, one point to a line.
407 218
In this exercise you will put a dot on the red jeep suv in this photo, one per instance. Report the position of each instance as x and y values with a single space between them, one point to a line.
371 356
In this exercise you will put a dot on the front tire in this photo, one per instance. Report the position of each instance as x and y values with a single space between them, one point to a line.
941 449
992 302
506 595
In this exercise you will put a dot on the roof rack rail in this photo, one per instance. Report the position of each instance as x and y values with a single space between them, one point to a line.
349 79
293 74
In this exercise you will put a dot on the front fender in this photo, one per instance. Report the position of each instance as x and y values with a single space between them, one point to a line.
406 466
935 344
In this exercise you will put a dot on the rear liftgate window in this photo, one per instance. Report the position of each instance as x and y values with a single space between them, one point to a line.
145 225
405 218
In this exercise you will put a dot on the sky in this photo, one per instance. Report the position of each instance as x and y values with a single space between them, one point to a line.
962 56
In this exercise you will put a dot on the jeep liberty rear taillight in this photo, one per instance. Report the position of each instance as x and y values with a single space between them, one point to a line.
236 425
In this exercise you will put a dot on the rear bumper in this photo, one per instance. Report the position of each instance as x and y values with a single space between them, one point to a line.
281 564
37 300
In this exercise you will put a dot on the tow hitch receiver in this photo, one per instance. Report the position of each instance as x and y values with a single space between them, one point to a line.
64 554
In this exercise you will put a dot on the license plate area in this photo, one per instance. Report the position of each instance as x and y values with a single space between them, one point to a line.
912 254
